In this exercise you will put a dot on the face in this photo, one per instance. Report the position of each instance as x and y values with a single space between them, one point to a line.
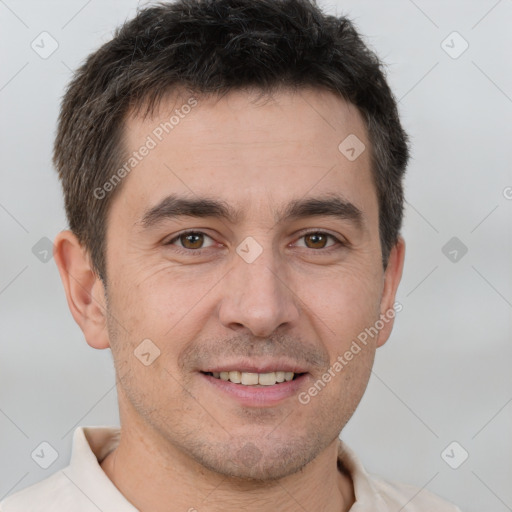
277 269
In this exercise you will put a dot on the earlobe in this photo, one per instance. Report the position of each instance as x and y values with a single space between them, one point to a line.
392 277
84 290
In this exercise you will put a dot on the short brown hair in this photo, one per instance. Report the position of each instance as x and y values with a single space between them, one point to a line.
214 46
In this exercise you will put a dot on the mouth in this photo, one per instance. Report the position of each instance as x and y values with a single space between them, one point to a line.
256 390
254 379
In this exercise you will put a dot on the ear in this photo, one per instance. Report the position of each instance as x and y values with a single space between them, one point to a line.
85 292
392 277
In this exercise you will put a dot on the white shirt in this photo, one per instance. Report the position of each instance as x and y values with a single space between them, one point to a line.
83 486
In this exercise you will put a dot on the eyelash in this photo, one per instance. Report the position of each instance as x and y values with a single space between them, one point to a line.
198 252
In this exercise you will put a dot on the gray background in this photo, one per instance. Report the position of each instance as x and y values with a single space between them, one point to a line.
445 373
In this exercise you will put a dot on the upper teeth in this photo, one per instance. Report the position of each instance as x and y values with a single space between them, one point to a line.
251 379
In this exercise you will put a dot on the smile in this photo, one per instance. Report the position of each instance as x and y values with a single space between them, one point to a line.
254 379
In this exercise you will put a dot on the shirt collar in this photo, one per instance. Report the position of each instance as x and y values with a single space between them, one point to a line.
92 444
367 497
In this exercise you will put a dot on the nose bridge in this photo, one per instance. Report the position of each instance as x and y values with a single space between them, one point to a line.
257 296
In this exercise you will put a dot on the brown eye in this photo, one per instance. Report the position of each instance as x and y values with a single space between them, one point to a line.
192 240
317 240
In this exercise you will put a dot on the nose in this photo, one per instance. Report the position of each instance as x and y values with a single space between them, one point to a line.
259 296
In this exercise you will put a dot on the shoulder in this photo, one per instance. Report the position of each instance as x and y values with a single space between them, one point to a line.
54 493
81 486
409 498
381 495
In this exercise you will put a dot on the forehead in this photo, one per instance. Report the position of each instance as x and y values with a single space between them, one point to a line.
248 150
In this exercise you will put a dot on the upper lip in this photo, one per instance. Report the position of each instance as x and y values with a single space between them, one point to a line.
267 366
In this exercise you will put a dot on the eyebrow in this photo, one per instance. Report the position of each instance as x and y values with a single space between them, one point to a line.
174 206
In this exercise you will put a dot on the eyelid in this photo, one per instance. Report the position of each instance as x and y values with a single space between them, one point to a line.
301 234
339 241
189 232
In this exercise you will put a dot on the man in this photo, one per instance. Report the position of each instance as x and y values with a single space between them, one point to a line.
232 173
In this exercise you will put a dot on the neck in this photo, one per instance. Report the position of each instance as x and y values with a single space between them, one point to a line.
158 480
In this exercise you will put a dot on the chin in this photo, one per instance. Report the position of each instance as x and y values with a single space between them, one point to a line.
257 460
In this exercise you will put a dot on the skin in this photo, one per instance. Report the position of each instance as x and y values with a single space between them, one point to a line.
184 445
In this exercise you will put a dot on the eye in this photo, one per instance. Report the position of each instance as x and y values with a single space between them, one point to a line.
191 240
194 241
318 240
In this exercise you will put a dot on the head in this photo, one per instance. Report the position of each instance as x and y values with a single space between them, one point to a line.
214 210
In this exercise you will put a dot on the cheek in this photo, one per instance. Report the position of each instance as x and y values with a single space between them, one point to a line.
346 317
346 300
344 307
143 319
152 294
163 305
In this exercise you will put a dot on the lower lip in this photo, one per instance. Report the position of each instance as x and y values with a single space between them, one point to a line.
258 396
